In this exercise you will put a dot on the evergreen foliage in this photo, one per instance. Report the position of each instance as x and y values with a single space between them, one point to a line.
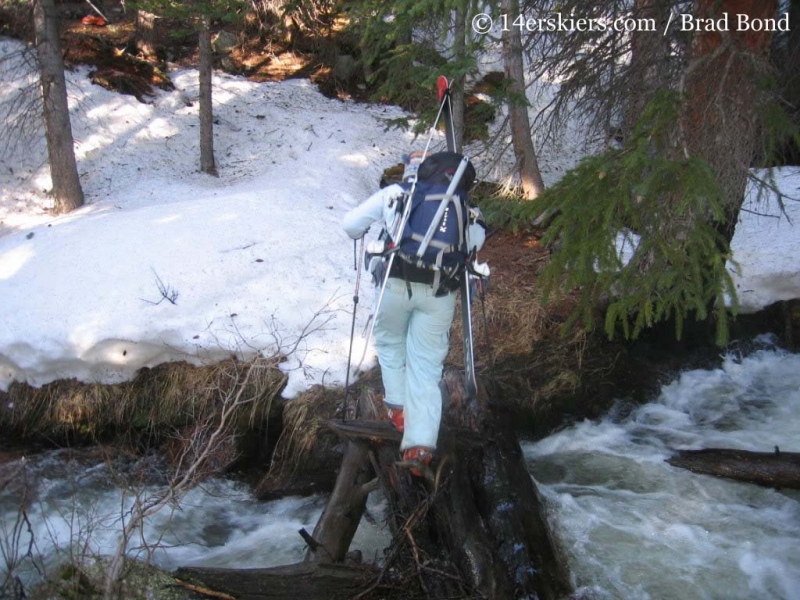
404 48
192 13
501 207
670 203
780 132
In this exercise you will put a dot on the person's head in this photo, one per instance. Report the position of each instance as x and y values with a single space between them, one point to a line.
412 162
440 168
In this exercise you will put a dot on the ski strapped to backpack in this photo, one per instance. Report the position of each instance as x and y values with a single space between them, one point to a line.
430 236
474 271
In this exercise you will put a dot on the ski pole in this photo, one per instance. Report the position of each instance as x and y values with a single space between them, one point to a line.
406 214
482 295
399 230
352 328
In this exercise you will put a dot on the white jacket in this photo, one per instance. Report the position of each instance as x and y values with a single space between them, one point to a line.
380 207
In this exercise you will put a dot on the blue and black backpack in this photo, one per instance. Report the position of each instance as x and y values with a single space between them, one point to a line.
445 253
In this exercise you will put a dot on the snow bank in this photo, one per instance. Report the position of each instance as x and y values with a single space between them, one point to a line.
165 263
255 260
766 244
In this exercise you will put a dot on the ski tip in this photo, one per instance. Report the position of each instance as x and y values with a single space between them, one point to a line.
442 86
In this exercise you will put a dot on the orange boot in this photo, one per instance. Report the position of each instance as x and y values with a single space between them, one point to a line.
418 454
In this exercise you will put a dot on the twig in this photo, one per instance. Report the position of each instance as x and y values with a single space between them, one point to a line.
204 591
166 291
309 539
753 212
97 10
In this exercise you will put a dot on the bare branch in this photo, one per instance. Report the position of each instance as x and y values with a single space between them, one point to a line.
167 292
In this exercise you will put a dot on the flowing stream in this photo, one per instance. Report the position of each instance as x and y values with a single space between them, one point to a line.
631 526
76 509
635 528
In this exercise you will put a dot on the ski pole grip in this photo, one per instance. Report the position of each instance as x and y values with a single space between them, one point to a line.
451 189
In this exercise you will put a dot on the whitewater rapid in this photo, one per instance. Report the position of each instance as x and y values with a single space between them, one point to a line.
635 528
631 526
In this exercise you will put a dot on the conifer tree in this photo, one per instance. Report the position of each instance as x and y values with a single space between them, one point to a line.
198 16
407 44
67 191
521 137
670 188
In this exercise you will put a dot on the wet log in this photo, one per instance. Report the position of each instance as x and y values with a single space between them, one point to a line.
339 521
770 469
470 539
515 515
302 581
507 499
473 526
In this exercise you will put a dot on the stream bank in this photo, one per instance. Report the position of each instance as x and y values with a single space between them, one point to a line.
632 527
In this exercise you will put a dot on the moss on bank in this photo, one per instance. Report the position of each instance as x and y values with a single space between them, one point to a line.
141 581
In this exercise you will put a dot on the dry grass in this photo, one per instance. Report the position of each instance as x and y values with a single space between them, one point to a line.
529 364
513 313
302 428
515 318
165 398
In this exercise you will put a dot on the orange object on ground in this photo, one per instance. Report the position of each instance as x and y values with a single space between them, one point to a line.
94 20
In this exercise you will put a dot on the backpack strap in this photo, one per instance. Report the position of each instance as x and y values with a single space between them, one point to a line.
457 202
450 193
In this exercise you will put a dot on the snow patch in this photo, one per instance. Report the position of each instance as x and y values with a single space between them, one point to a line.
766 244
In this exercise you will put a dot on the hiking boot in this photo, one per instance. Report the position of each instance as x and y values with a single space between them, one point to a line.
94 20
396 416
418 454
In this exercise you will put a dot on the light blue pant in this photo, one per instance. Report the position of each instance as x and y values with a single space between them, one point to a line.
412 337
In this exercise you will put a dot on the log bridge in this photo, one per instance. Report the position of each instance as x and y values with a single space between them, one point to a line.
472 527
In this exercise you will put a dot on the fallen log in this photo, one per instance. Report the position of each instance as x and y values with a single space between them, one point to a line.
770 469
339 521
507 500
514 513
302 581
470 538
473 526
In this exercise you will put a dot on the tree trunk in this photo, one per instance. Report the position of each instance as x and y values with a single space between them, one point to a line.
457 97
770 469
521 140
67 191
207 164
792 68
790 74
724 96
649 54
147 35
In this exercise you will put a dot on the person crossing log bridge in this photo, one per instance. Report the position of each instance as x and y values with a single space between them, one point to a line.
474 527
